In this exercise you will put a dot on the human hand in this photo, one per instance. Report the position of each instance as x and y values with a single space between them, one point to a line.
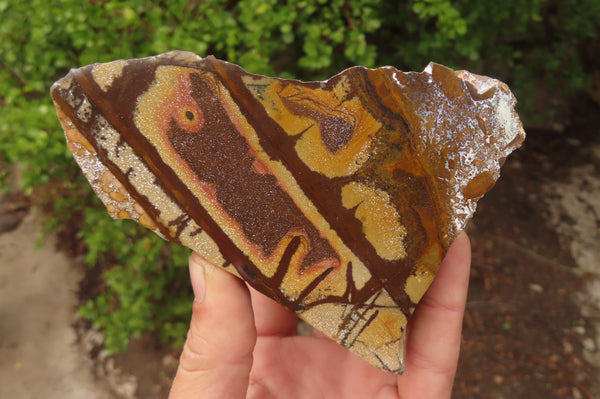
242 344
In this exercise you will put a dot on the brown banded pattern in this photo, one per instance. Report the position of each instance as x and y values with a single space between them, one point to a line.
338 198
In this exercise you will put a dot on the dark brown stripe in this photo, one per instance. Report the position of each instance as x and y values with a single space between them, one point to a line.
172 185
322 191
364 326
84 129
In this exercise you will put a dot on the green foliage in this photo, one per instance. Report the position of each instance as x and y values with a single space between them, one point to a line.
533 45
527 43
144 293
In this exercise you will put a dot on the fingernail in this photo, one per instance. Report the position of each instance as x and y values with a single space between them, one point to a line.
198 277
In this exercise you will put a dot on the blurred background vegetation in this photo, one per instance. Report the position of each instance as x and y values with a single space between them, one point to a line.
546 50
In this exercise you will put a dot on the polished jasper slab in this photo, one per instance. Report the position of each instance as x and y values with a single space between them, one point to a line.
338 199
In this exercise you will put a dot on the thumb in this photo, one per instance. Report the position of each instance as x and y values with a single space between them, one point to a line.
217 355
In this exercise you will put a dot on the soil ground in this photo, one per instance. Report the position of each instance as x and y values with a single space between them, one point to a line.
39 354
532 324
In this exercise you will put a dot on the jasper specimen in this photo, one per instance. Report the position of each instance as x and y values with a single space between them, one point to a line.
338 199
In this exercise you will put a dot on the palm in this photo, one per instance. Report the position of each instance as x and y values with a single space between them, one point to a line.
237 348
290 366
